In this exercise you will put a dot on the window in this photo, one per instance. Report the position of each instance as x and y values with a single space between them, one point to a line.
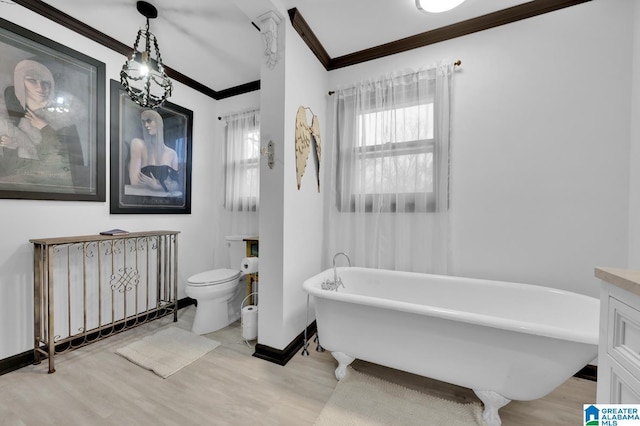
386 201
242 184
401 153
392 168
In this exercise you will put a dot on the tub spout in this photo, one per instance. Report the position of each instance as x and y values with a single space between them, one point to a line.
337 281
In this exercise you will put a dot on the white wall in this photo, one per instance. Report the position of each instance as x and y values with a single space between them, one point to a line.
224 222
540 140
634 155
27 219
307 86
290 219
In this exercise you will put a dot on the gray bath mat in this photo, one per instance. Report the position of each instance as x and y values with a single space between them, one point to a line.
167 351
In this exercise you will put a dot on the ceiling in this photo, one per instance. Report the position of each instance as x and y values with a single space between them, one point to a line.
215 43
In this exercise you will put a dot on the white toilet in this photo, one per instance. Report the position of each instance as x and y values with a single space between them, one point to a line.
218 291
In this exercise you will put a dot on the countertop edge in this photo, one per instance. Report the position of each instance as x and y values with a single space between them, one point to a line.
627 279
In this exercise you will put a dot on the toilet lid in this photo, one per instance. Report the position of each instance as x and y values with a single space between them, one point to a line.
215 276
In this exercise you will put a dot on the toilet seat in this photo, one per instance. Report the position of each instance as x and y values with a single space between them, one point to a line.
213 277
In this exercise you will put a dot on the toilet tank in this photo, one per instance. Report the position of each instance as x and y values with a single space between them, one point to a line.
237 250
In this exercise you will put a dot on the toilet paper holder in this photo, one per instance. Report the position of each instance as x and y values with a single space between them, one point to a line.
245 299
241 317
249 265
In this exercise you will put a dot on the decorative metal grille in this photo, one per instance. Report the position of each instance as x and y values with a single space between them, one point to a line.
88 288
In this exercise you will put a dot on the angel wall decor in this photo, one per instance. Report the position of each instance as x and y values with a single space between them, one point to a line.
306 136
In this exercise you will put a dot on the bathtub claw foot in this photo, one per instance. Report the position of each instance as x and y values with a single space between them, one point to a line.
343 362
492 401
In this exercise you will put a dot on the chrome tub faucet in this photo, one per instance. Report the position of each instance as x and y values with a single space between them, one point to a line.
337 281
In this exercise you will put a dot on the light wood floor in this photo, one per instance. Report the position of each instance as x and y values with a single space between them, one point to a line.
95 386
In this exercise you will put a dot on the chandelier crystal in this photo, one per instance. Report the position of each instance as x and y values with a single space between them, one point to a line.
143 75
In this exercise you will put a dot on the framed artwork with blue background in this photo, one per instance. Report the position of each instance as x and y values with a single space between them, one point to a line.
52 127
150 156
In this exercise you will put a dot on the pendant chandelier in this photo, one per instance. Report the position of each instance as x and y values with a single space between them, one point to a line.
437 6
143 76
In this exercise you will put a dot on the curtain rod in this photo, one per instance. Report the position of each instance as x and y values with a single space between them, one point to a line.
236 113
456 63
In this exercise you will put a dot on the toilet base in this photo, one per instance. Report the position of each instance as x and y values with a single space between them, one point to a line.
211 315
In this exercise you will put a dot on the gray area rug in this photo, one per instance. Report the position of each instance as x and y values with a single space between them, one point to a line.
364 400
167 351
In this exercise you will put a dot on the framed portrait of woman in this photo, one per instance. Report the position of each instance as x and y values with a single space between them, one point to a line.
52 129
150 156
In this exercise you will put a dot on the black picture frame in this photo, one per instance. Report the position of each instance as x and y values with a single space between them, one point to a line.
174 195
52 139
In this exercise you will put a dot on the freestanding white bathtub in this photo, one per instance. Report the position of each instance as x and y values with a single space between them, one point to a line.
506 341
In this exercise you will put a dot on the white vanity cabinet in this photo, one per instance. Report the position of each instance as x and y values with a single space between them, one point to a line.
619 346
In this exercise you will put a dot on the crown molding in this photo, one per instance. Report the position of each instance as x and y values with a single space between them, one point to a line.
85 30
485 22
481 23
306 33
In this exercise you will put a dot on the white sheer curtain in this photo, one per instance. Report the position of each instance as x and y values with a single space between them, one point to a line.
241 174
387 184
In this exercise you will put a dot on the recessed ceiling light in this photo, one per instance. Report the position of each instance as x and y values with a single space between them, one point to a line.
437 6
